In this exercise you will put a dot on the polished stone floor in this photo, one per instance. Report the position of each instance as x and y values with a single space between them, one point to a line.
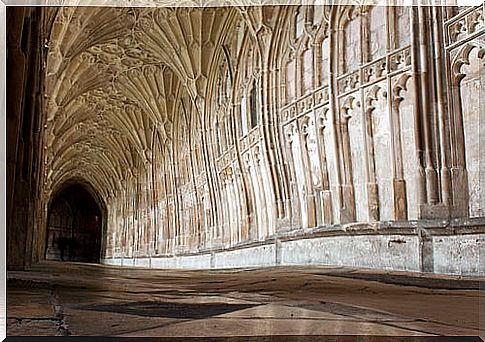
82 299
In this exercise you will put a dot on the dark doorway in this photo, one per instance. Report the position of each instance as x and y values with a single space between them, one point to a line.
74 226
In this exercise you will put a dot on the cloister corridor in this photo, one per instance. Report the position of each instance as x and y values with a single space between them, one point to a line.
246 170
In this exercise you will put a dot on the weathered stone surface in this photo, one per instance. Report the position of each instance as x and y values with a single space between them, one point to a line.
285 300
459 255
386 252
448 254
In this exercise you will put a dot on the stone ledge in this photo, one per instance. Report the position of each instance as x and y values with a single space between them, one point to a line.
414 227
442 247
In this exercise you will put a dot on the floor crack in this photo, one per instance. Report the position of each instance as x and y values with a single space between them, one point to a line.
62 326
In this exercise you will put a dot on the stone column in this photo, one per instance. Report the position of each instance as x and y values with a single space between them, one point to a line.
418 110
371 183
439 64
425 84
399 184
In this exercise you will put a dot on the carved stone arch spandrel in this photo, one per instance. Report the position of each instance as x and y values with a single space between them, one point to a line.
399 87
348 104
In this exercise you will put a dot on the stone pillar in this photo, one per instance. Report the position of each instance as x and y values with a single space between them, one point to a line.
399 184
371 183
439 65
418 110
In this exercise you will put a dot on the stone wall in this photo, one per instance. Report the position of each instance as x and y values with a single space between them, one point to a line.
23 122
455 247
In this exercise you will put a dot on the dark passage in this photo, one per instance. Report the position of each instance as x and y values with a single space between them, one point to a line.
74 226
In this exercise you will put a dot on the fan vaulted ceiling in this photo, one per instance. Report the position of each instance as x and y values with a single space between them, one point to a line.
113 77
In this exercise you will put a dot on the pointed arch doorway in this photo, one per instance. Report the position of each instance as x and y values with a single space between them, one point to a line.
74 226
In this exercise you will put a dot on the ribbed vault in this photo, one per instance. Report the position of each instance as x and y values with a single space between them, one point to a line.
113 79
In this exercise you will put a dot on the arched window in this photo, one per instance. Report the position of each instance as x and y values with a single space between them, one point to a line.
254 105
377 32
403 36
307 70
352 42
325 69
290 80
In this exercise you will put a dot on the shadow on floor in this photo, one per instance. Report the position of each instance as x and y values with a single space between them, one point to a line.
169 310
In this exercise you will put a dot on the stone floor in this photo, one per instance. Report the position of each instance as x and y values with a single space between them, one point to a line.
82 299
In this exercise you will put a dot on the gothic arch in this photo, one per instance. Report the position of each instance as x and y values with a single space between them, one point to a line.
73 236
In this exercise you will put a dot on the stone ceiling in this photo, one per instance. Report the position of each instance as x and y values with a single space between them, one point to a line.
112 79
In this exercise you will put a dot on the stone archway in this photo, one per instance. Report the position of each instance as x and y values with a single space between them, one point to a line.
74 226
